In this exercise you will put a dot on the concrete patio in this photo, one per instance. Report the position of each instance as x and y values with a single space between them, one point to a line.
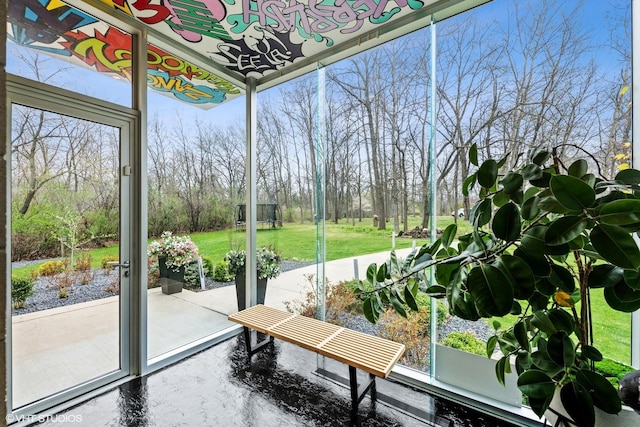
59 348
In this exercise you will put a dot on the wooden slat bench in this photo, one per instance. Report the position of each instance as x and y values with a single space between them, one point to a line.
374 355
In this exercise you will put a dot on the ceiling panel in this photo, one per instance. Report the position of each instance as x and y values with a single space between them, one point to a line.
203 50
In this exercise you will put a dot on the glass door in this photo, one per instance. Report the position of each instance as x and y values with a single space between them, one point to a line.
70 198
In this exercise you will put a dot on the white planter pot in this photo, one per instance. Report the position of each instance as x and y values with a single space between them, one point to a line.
626 418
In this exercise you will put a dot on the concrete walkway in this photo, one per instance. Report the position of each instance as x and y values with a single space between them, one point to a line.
59 348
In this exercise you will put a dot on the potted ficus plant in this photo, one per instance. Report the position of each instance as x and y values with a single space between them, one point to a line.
544 236
267 265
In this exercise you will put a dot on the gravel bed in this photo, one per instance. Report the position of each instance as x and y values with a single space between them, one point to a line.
46 291
46 297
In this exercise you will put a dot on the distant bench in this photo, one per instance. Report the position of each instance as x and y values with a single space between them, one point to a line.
372 354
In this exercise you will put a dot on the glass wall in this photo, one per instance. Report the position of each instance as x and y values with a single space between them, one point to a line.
196 181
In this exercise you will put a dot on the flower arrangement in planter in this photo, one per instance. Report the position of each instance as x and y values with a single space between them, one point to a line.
545 237
267 262
268 267
177 251
175 254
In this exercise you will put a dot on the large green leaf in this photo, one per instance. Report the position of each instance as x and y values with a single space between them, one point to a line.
578 404
604 275
522 279
382 273
564 229
632 279
520 332
410 299
512 182
542 321
540 156
629 176
531 171
621 212
615 245
468 184
562 278
536 384
603 393
473 154
578 168
481 213
448 235
536 261
530 208
506 223
560 349
397 303
370 311
488 173
562 320
571 192
491 290
371 274
551 204
534 243
622 298
465 308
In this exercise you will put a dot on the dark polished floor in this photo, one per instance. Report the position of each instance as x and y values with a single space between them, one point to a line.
280 387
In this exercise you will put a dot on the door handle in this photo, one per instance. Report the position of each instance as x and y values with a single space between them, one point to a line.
122 265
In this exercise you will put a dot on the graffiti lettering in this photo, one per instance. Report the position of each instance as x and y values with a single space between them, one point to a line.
185 91
193 19
99 52
159 12
43 21
318 17
119 5
271 52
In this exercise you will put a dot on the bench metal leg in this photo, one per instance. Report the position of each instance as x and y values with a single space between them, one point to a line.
251 350
358 393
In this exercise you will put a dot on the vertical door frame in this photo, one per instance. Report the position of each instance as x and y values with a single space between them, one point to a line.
38 95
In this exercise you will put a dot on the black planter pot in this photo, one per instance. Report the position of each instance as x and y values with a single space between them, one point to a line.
170 280
241 294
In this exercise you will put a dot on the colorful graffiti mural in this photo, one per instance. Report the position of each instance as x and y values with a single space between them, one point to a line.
250 38
255 37
53 27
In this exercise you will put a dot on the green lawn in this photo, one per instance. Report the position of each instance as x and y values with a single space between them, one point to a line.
293 241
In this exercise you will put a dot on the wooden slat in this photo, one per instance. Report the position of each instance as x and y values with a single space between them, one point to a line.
367 352
304 331
363 351
260 317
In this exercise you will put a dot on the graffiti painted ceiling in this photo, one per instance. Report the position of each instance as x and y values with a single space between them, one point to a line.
231 40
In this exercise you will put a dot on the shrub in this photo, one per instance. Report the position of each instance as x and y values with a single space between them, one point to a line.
21 289
51 268
113 285
465 341
340 301
412 331
83 263
153 273
209 269
423 300
192 275
221 272
612 370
